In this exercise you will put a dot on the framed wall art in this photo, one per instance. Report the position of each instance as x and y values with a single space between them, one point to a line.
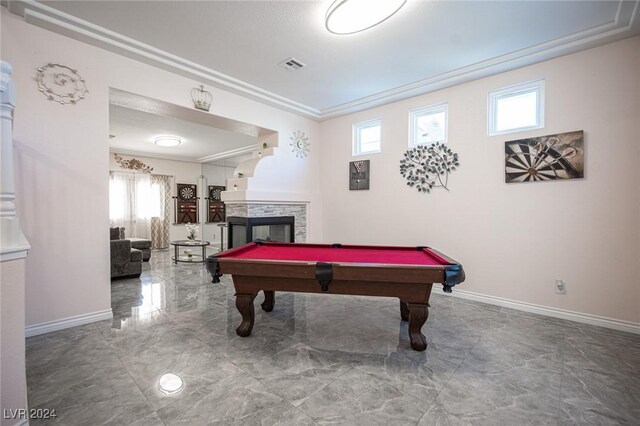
553 157
359 174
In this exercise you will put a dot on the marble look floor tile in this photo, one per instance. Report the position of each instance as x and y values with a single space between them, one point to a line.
419 374
151 420
294 372
77 346
326 359
104 413
357 398
591 395
231 399
197 369
91 395
501 383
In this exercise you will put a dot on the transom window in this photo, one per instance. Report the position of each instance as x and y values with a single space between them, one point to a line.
516 108
428 125
367 138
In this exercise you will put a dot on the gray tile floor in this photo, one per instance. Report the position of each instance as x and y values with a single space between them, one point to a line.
326 359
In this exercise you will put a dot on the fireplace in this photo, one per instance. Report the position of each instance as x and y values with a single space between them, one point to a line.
246 229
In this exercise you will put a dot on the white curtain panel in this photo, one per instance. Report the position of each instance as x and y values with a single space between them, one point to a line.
160 224
133 201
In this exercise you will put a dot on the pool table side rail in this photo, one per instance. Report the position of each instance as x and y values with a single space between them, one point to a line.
341 270
449 274
410 292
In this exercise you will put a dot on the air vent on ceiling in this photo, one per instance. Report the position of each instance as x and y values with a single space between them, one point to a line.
292 64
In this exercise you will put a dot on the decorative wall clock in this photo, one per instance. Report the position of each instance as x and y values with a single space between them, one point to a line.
299 144
61 84
428 166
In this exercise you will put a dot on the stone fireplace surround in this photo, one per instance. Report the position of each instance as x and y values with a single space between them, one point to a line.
253 210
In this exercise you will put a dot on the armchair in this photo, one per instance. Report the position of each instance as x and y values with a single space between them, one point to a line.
125 261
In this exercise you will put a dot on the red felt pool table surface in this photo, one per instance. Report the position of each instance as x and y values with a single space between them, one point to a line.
345 254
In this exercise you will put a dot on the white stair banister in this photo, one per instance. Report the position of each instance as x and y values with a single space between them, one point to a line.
13 244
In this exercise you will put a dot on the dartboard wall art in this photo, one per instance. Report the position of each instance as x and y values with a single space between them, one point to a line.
550 157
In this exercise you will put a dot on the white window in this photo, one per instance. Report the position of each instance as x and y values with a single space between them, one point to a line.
367 137
428 125
516 108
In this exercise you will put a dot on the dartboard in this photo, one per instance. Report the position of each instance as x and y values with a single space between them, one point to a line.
525 162
215 194
187 193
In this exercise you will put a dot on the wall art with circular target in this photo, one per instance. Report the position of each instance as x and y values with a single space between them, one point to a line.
552 157
428 166
61 84
299 144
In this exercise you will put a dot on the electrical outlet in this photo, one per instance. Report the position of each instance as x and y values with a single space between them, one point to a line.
561 287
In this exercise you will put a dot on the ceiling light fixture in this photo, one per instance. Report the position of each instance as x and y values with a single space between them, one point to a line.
168 141
353 16
170 383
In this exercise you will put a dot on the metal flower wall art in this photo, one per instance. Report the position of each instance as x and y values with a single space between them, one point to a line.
428 166
132 164
61 84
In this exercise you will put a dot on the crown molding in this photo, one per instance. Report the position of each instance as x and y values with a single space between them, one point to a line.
60 22
228 154
202 160
623 25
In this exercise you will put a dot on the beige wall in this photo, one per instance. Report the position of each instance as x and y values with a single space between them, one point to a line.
13 382
62 162
514 240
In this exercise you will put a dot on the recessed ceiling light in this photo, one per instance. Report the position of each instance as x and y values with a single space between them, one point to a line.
353 16
168 141
170 383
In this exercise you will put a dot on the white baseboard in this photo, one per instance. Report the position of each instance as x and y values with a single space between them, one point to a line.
628 326
61 324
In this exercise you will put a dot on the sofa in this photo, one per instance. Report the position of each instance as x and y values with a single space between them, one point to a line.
142 244
125 260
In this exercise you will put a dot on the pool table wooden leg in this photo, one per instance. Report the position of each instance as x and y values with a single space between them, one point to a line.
244 303
404 311
418 314
269 300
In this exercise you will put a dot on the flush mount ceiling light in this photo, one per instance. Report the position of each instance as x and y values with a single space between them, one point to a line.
353 16
170 383
167 141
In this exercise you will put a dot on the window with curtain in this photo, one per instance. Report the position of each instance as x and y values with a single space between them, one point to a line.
140 203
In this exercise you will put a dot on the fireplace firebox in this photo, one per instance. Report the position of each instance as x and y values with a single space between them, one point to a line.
246 229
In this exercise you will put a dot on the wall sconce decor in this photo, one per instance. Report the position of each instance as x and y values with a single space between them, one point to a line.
61 84
201 98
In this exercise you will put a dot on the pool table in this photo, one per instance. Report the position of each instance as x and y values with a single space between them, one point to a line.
407 273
